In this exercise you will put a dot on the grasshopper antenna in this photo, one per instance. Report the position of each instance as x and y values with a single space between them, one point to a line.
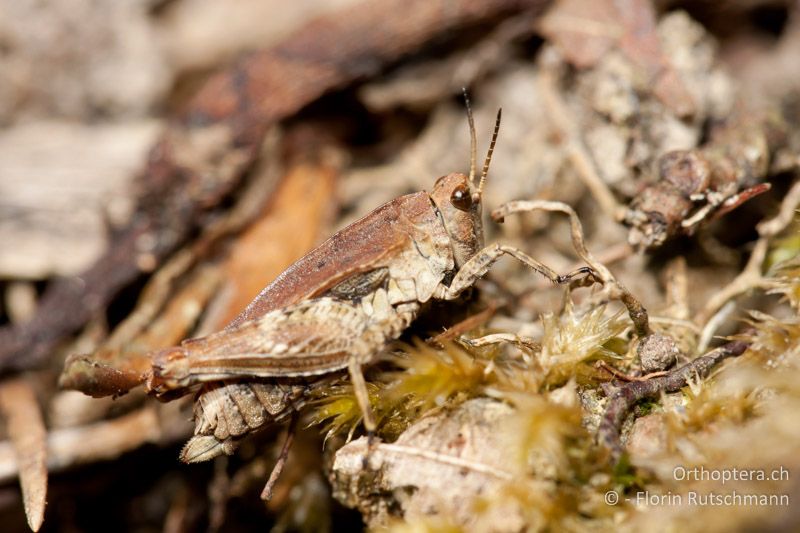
473 139
491 150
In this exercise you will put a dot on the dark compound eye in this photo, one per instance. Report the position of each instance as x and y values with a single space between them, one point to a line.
461 198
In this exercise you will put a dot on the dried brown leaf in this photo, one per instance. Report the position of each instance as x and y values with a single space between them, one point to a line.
446 459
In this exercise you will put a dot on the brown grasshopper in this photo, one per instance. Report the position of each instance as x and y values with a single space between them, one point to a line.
337 308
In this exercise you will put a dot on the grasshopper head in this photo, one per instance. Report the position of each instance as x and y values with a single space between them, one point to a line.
458 198
460 207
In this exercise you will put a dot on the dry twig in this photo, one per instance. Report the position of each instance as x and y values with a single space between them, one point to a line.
621 402
469 323
626 377
283 456
94 442
583 162
751 277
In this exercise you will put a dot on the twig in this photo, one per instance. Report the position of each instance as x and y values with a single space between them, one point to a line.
770 228
469 323
218 495
751 277
175 520
94 442
714 324
676 284
527 343
627 396
627 377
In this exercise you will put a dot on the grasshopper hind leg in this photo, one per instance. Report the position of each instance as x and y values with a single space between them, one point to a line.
310 338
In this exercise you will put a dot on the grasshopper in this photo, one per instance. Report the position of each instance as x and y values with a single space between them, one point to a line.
337 308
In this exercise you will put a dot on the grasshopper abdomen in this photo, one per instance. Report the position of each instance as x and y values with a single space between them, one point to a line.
224 413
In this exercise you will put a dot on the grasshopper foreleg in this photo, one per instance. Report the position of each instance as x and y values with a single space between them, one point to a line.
480 263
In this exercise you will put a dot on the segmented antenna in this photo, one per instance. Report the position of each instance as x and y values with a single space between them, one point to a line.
473 140
491 150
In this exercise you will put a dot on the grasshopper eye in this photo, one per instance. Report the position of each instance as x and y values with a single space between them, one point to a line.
461 198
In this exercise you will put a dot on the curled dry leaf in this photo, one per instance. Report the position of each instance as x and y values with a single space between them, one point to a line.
694 186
